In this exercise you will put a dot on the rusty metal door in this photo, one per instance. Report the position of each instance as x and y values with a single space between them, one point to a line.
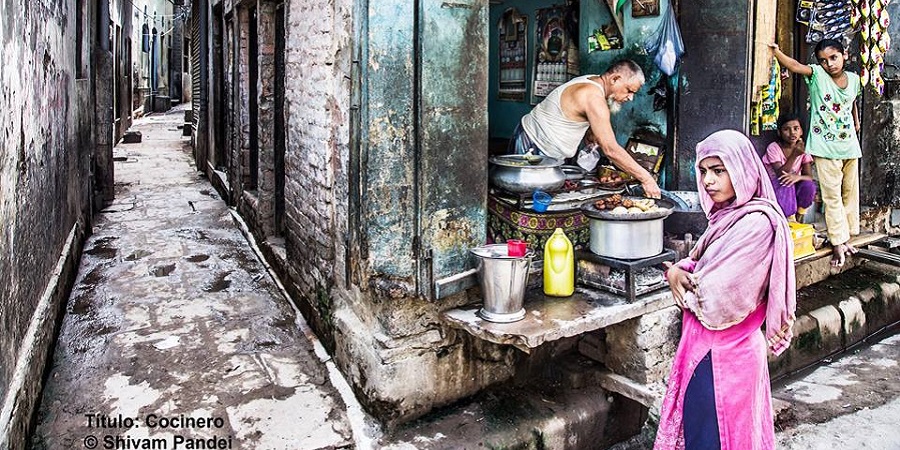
451 169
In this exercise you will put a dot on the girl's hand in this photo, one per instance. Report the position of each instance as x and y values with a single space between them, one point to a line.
680 282
788 179
773 46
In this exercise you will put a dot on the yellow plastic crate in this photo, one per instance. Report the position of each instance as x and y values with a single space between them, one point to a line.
803 235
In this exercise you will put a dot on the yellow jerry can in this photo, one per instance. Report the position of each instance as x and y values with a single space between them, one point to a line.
559 265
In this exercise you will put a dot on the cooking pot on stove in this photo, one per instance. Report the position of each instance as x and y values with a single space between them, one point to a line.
630 235
526 173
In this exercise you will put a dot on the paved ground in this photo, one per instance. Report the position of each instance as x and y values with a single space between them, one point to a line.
849 402
173 317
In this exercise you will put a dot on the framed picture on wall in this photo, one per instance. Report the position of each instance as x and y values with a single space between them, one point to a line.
513 56
641 8
555 49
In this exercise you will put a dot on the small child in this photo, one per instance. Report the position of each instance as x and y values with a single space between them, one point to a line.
832 140
790 168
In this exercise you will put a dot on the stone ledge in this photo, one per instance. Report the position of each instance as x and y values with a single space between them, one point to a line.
552 318
817 267
648 395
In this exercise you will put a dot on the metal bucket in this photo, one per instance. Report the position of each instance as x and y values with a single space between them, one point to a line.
503 279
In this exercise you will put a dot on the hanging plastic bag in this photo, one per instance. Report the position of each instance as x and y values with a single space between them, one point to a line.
588 157
666 45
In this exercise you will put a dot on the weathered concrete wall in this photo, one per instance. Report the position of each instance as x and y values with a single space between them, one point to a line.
47 119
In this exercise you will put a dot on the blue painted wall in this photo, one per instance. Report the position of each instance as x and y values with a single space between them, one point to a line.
638 113
504 116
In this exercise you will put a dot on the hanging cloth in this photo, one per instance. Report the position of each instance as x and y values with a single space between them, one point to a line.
873 19
666 45
764 111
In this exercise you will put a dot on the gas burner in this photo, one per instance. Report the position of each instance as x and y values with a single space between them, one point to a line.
627 278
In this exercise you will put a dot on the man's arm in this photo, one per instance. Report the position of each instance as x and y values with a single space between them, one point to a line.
598 115
790 63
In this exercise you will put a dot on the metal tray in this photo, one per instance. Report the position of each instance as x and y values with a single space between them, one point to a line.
666 208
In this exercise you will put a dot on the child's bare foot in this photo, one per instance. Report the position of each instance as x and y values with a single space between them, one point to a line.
840 253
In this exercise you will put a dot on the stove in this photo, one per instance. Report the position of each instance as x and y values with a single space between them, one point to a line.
627 278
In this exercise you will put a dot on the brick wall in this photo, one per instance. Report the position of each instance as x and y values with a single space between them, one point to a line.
317 101
46 115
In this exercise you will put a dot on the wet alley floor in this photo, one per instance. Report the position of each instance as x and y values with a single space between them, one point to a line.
175 331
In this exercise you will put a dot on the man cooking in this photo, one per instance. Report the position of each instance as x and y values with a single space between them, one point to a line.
557 125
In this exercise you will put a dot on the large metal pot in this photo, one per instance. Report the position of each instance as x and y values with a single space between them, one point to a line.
627 236
515 173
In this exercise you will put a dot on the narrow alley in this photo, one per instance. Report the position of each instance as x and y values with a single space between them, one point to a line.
175 327
444 225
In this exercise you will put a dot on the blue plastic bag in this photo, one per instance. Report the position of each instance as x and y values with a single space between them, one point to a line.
666 45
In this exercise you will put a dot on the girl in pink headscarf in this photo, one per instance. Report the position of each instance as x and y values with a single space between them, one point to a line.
739 276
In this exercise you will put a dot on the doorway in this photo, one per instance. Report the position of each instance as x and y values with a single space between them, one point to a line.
219 155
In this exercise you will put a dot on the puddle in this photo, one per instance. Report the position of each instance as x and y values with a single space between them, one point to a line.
197 258
163 270
94 277
192 233
106 330
219 283
102 249
134 256
284 323
81 305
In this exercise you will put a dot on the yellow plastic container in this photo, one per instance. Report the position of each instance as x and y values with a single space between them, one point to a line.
559 265
802 235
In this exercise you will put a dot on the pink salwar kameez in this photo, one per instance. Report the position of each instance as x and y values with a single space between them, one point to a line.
745 278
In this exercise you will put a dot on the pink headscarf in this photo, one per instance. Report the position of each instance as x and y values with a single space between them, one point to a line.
751 264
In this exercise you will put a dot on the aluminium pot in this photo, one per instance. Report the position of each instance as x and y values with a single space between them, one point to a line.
627 236
514 173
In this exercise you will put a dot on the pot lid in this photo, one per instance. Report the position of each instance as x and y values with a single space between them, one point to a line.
665 209
525 161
